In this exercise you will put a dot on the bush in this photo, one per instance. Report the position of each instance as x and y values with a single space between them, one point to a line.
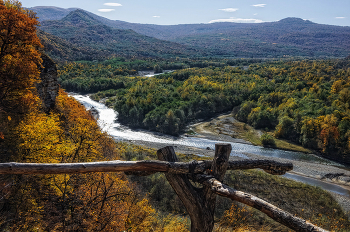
267 140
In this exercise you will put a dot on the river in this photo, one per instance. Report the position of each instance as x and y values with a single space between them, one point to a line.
107 122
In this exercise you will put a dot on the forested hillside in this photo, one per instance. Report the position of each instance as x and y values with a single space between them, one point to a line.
61 50
85 32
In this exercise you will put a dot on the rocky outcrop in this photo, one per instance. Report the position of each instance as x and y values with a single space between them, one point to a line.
94 112
48 87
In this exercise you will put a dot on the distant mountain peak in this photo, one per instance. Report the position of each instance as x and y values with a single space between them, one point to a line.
80 16
51 12
293 20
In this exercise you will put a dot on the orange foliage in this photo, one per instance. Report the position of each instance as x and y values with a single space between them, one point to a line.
19 57
82 131
90 202
329 131
19 61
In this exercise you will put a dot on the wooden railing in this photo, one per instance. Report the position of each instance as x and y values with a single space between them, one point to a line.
199 202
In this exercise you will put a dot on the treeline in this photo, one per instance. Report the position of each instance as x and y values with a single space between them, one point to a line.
306 102
94 76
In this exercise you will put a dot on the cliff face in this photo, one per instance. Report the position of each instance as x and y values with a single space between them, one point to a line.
48 87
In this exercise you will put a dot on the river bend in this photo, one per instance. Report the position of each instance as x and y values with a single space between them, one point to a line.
107 122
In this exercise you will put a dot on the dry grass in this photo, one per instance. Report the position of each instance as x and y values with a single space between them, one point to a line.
306 201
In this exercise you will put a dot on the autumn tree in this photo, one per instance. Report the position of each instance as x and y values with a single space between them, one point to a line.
67 134
19 55
19 61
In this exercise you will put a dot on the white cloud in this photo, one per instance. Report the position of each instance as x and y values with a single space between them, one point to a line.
255 14
229 9
106 10
340 17
112 4
236 20
259 5
156 16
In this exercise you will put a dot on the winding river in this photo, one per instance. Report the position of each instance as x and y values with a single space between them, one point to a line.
107 121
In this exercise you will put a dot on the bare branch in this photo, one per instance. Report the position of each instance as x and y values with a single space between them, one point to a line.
270 210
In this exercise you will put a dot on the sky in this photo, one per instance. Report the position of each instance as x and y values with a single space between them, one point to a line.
165 12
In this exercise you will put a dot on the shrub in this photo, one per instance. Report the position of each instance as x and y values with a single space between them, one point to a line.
267 140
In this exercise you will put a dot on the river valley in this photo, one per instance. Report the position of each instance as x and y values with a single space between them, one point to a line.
308 168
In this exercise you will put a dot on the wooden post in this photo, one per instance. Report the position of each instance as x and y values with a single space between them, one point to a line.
199 202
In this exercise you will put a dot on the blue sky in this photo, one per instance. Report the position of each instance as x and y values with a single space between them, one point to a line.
334 12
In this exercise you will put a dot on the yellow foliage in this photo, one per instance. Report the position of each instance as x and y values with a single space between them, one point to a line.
175 224
42 139
141 216
234 218
336 87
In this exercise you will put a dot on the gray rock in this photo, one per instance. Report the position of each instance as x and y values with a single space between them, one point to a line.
48 87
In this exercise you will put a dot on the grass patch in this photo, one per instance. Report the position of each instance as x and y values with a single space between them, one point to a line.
285 145
241 130
246 132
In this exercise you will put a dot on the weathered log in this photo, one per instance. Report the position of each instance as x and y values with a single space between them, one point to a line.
270 210
139 167
71 168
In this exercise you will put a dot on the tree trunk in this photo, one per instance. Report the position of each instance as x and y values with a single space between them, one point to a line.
199 202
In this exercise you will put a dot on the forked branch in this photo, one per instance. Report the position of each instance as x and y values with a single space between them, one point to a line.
270 210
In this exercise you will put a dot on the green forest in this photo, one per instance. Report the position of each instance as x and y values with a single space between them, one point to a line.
306 102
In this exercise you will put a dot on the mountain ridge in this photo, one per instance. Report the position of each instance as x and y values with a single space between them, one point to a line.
286 37
83 31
